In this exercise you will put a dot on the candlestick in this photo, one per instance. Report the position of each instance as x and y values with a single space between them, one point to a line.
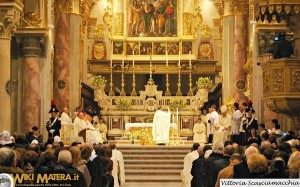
167 59
173 118
190 61
177 114
110 61
179 59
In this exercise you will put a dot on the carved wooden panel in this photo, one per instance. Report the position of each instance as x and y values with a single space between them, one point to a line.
295 79
266 81
278 75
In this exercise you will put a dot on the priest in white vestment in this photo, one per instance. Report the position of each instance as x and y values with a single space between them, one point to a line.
101 126
199 131
161 126
120 164
223 127
187 165
66 122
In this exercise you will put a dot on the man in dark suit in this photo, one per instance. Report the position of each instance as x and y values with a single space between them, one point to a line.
53 124
283 48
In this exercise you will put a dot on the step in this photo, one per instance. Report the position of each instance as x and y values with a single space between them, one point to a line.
171 138
153 152
151 178
152 184
153 166
153 157
151 162
153 172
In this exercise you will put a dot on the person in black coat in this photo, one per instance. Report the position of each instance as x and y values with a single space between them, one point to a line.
283 47
199 171
250 122
53 124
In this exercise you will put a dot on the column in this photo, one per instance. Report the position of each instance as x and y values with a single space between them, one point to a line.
9 19
240 56
228 50
118 17
31 50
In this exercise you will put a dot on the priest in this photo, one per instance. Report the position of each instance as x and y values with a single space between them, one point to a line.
161 126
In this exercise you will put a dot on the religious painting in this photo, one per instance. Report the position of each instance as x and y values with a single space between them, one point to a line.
132 46
186 47
205 51
173 48
152 18
118 48
159 48
146 48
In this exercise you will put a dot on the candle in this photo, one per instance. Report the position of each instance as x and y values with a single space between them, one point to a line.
190 61
150 59
110 61
167 58
133 58
179 59
177 114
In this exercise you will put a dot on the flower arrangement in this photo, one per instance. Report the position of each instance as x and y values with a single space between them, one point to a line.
99 81
177 103
204 83
123 103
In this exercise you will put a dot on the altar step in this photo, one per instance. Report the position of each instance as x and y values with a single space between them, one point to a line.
153 164
125 140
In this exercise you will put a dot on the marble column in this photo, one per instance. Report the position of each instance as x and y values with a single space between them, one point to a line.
9 19
228 51
31 50
240 56
61 71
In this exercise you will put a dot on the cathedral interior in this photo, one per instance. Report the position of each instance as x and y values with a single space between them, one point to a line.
121 59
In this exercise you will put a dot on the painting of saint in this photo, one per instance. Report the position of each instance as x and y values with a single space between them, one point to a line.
146 48
173 48
159 48
152 18
132 46
118 47
186 47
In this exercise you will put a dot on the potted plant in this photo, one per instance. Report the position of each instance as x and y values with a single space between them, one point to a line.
204 83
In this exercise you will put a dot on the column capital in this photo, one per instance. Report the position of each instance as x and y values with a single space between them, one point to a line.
32 45
63 6
240 7
9 17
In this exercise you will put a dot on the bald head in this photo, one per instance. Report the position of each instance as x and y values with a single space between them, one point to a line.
229 150
66 110
250 150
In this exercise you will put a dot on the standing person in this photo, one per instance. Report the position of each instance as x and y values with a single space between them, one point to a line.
199 132
250 122
161 126
236 122
213 120
119 156
283 48
204 118
242 136
64 117
170 16
53 124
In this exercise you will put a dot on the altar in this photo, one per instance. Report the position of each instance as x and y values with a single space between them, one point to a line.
128 126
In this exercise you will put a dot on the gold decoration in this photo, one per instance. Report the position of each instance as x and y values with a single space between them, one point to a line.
229 103
266 81
186 30
241 7
99 31
197 19
63 6
205 50
219 4
204 83
33 19
295 80
99 49
107 19
278 80
206 31
119 23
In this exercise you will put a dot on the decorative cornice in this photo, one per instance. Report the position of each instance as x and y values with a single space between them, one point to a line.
9 17
240 7
219 4
63 6
85 8
32 45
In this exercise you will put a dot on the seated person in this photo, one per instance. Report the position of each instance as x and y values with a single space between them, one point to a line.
101 126
283 48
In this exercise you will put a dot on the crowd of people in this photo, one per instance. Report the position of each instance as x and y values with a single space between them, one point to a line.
236 147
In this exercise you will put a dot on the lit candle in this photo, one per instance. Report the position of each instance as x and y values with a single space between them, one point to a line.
177 114
110 61
190 61
166 58
123 61
133 58
179 59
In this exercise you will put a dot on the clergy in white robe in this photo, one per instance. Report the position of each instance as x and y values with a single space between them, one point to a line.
67 129
199 132
223 127
120 164
101 126
204 118
161 126
187 166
